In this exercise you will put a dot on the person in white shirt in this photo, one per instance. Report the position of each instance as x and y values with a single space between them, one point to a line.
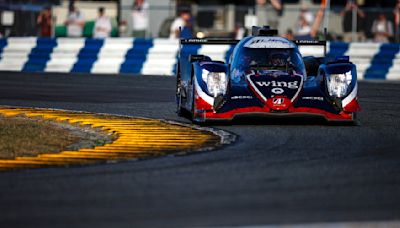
382 29
306 14
102 27
182 21
140 18
75 22
303 28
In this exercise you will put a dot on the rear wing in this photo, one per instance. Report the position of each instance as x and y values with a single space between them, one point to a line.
209 41
315 48
187 47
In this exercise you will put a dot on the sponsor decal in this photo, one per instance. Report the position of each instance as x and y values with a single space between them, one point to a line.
269 42
308 42
278 101
241 97
313 98
197 40
266 87
277 90
282 84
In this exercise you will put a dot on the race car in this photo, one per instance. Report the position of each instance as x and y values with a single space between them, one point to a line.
265 75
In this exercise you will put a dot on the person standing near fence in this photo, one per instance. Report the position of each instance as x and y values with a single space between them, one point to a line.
303 29
102 27
396 13
184 21
309 31
269 11
347 23
304 24
75 22
44 21
382 29
140 18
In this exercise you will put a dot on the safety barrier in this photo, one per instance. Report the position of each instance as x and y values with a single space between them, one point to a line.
159 56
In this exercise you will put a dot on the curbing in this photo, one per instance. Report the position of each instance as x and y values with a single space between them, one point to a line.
136 138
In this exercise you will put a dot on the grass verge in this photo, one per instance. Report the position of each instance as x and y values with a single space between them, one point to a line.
22 136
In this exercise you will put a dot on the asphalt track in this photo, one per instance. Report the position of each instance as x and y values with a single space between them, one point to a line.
278 172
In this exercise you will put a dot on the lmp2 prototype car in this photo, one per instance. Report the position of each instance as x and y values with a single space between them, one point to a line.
265 75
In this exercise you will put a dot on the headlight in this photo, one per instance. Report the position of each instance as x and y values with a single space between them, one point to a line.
216 82
338 84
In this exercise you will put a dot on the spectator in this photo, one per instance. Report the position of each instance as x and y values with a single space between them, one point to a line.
318 19
347 23
306 30
273 11
397 20
306 14
303 29
75 22
184 21
239 32
102 27
140 18
382 29
45 22
304 24
289 35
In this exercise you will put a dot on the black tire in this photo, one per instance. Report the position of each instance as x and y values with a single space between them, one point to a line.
193 105
354 121
179 110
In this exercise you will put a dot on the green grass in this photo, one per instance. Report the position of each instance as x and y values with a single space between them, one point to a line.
20 136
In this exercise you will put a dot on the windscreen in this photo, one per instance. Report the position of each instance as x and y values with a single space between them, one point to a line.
274 59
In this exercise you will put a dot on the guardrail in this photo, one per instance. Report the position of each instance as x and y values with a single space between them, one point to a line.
159 56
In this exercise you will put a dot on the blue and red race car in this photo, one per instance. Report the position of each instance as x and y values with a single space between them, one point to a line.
265 75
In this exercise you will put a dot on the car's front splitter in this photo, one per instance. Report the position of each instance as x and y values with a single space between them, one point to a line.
204 112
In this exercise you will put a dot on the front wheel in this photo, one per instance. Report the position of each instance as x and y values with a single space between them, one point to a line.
193 108
195 116
354 119
179 109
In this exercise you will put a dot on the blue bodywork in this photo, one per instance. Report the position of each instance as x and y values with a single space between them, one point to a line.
302 81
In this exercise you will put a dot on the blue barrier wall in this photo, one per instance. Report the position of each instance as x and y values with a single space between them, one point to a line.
87 56
39 55
136 56
159 56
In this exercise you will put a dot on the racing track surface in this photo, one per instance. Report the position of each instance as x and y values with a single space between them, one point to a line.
298 171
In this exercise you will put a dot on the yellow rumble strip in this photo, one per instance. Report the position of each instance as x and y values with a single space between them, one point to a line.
134 138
